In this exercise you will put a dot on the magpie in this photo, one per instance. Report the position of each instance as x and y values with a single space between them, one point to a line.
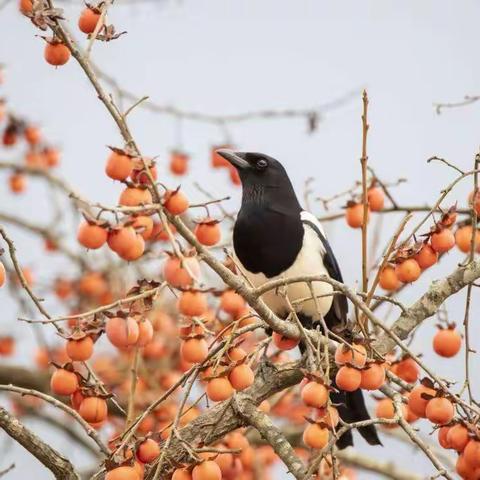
273 237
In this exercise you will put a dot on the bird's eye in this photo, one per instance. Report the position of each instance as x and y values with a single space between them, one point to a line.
261 164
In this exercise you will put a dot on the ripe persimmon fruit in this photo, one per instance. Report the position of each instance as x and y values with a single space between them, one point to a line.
93 409
348 378
447 342
194 350
354 215
135 251
122 238
17 182
388 279
123 473
176 202
192 303
407 369
440 410
231 302
148 451
63 382
472 453
91 236
458 437
408 270
426 257
314 394
443 240
416 403
145 332
207 470
315 436
463 238
376 199
122 332
373 376
25 6
176 274
88 20
178 162
32 135
56 53
119 166
284 343
357 355
181 474
241 377
219 389
143 225
443 437
135 196
80 350
3 274
208 232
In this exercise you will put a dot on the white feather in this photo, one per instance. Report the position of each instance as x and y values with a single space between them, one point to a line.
309 261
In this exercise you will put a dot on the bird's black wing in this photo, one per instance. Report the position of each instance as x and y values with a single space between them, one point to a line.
337 315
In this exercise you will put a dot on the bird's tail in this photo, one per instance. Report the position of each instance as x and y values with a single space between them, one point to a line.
351 407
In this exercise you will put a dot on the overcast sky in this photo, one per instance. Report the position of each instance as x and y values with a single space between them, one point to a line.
223 56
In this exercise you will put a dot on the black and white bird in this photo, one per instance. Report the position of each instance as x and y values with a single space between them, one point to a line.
274 237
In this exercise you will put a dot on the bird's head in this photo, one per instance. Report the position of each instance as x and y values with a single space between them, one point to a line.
264 179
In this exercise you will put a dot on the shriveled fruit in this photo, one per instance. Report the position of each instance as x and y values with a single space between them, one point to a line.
80 350
443 241
440 410
315 436
447 342
388 279
207 470
314 394
284 343
88 20
134 196
376 199
139 175
192 304
194 350
119 166
416 402
93 409
122 332
219 389
408 271
329 416
91 236
148 451
426 257
357 355
176 202
474 200
56 54
354 215
348 378
208 232
463 238
122 473
63 382
458 437
241 377
373 376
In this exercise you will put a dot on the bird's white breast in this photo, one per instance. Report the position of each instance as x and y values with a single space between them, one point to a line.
309 261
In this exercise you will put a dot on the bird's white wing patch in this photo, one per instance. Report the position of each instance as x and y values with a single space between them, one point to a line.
309 217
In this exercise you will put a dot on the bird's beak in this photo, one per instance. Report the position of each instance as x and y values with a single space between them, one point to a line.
237 159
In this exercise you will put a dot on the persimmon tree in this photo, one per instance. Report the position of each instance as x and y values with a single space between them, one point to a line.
186 374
